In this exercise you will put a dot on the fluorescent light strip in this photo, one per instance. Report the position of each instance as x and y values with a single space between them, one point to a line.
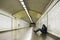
26 10
28 15
23 4
21 0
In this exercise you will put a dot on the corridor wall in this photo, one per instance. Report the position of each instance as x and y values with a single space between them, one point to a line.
5 21
52 20
8 22
41 21
22 23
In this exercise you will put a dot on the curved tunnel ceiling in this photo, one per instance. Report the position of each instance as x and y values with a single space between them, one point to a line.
37 5
35 8
22 15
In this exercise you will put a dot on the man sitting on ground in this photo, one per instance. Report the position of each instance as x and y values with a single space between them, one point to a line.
43 30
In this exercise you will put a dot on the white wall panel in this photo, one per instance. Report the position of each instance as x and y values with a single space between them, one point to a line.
54 19
44 20
22 23
5 22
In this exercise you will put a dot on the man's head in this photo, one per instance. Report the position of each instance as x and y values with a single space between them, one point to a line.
44 25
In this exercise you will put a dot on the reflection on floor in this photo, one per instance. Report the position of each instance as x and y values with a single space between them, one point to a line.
43 37
24 34
21 34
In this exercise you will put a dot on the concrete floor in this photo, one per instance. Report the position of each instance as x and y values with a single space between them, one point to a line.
24 34
42 37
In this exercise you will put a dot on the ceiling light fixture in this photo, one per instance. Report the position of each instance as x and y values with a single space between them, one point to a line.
21 0
22 3
26 10
28 14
